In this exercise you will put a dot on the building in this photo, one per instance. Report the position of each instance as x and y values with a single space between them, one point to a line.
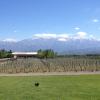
24 54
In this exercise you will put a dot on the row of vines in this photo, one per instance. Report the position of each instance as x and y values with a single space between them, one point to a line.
64 64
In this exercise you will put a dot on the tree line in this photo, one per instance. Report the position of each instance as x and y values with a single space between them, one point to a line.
48 53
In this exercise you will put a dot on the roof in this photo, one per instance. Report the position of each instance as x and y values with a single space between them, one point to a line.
24 53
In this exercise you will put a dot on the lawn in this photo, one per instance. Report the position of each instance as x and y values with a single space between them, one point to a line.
83 87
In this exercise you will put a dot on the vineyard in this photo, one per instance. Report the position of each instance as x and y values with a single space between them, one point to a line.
59 64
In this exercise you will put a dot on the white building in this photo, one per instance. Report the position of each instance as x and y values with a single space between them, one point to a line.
24 54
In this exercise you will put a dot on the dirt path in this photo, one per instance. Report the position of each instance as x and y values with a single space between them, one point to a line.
51 73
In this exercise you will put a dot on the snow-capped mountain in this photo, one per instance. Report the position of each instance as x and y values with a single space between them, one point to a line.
71 46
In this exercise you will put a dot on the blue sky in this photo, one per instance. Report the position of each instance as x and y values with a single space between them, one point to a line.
21 19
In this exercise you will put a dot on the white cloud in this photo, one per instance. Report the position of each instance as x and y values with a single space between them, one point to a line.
10 40
64 37
95 20
77 28
94 38
49 36
91 36
81 35
45 36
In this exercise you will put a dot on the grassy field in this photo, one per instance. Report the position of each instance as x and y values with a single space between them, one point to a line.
83 87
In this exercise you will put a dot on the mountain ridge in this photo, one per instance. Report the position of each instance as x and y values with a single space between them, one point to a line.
71 46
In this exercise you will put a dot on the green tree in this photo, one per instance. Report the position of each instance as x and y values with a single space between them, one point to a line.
49 53
9 54
5 54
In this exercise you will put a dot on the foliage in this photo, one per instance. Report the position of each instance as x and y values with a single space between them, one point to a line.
46 53
5 54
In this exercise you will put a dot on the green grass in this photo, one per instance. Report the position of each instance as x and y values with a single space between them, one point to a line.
83 87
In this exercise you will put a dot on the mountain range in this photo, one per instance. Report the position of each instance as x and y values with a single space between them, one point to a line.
71 46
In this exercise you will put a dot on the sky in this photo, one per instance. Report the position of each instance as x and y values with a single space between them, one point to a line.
21 19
